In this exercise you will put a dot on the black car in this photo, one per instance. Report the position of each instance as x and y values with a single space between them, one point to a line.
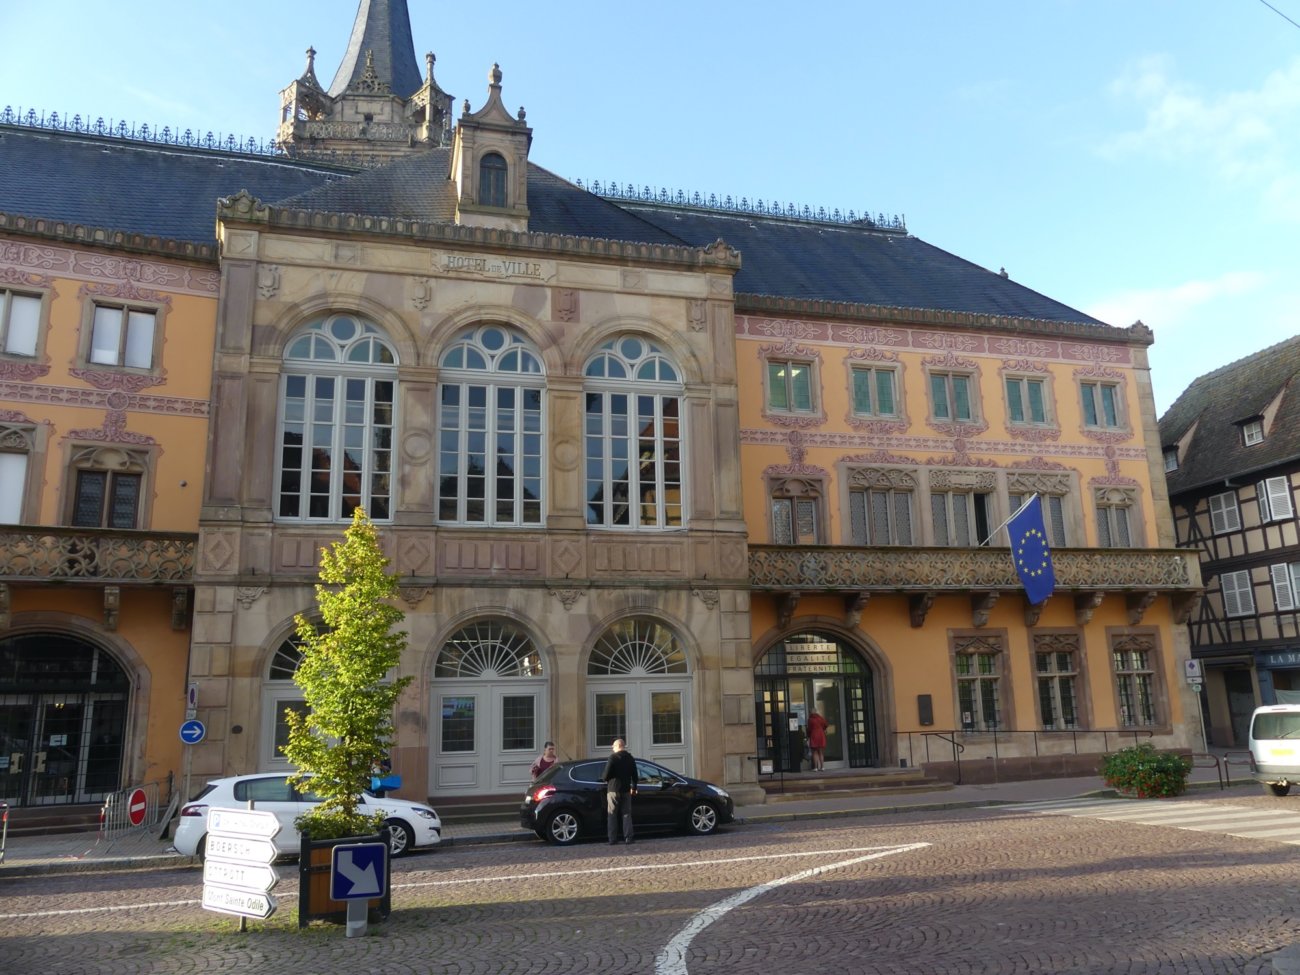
568 802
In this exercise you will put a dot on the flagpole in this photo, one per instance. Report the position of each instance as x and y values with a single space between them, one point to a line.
1028 501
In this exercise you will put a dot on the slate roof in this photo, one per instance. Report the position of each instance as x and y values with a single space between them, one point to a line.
139 187
1217 402
171 192
384 28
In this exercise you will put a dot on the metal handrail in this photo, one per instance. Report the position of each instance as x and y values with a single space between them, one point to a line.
995 736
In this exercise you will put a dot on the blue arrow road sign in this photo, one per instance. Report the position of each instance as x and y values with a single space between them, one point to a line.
192 732
358 870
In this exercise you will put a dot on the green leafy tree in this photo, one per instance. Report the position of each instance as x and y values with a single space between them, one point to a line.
347 728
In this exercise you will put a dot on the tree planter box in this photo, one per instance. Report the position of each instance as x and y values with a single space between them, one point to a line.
314 900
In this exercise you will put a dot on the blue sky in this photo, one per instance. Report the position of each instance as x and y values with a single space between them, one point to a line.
1136 159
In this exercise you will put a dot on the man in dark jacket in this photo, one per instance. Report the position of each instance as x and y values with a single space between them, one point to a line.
620 787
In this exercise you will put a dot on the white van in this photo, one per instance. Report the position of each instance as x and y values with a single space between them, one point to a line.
1275 747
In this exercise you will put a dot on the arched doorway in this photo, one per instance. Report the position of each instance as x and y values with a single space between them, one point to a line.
63 710
639 689
489 710
808 671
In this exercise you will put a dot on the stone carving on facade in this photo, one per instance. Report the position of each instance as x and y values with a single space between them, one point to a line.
247 595
960 457
180 608
27 279
1023 347
709 597
566 304
22 371
1095 353
1033 611
881 478
1085 604
1038 482
918 607
865 335
421 293
347 253
950 343
633 279
786 604
567 597
268 281
1137 603
1037 464
696 314
138 273
112 606
957 480
889 568
414 595
790 329
853 607
113 431
981 604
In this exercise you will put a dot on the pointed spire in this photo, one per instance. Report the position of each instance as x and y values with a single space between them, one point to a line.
381 42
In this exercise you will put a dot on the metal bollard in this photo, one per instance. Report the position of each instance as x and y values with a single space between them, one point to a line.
4 828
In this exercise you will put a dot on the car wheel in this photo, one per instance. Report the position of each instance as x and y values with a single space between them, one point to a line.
201 851
561 828
400 837
1278 790
703 819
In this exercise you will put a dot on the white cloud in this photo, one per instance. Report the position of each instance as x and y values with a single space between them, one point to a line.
1165 309
1246 135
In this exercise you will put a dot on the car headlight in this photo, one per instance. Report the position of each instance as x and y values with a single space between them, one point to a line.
424 813
721 792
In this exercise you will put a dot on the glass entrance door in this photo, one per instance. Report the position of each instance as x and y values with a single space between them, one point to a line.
17 738
824 695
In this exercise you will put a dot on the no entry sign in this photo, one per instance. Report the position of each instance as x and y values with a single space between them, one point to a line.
136 807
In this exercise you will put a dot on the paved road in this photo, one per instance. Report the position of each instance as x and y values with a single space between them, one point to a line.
1007 889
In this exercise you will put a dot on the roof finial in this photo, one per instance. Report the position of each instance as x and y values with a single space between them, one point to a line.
494 76
311 60
428 67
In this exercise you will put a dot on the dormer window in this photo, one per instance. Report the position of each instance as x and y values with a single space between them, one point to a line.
1252 431
1171 459
492 180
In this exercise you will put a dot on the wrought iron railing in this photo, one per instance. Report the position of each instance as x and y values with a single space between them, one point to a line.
1069 741
899 569
772 208
95 554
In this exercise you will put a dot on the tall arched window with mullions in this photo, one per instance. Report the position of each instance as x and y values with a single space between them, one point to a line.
634 437
337 394
490 429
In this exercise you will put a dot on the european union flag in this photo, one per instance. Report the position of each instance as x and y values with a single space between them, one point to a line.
1030 552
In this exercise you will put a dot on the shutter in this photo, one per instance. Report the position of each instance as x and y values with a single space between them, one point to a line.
1278 492
1237 598
1283 592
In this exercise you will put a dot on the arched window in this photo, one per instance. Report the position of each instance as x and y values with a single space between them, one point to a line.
492 171
488 649
634 438
337 396
490 430
637 648
280 694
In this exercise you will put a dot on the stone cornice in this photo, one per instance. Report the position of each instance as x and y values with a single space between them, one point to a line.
244 209
69 232
1137 334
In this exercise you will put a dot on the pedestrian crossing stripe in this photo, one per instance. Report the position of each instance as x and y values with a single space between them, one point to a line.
1281 826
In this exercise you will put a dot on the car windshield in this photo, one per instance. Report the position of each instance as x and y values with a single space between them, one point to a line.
1276 725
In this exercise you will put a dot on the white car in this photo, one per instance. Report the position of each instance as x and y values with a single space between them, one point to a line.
411 824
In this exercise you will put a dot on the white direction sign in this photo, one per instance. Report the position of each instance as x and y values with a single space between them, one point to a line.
243 822
245 903
242 848
255 877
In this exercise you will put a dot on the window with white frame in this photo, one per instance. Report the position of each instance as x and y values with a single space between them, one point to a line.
1252 432
1225 516
634 472
1133 659
338 392
279 695
20 321
637 647
1026 400
961 518
1114 519
790 386
874 391
796 512
951 396
1053 515
13 486
1274 495
1171 459
488 649
1101 404
978 667
880 507
490 430
1238 596
1286 584
1056 666
122 336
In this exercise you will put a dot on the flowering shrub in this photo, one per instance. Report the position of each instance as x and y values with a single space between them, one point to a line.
1145 772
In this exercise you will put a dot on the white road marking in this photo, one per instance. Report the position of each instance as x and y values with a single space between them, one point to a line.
97 910
1242 821
672 960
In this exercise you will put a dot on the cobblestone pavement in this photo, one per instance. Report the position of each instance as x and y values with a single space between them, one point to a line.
997 890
